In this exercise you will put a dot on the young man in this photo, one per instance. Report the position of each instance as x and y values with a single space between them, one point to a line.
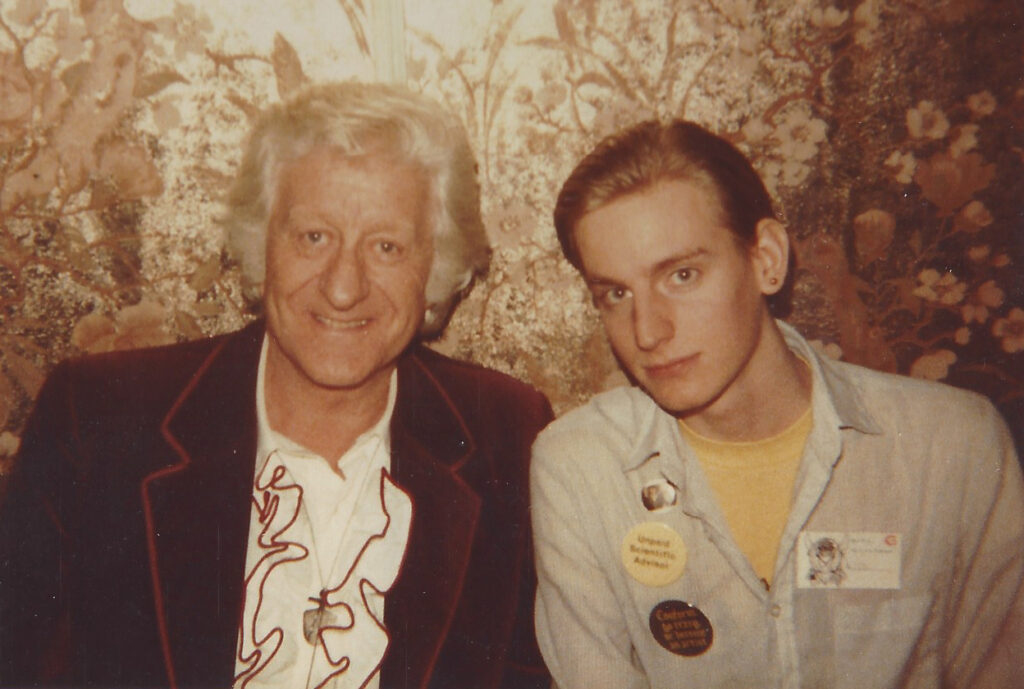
315 500
749 514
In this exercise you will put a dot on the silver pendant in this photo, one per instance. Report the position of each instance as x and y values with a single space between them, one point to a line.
317 618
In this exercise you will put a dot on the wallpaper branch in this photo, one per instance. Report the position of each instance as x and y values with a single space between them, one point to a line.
889 131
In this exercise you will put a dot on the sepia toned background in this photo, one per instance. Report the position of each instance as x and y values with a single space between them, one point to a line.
890 132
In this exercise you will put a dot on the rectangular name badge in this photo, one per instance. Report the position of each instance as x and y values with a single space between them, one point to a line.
853 560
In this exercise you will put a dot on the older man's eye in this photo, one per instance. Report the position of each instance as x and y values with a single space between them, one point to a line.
388 249
312 238
310 242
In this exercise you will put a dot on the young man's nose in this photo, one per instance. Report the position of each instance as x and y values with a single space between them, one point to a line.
652 324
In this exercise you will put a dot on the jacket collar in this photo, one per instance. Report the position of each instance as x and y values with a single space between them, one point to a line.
837 405
834 396
198 574
430 444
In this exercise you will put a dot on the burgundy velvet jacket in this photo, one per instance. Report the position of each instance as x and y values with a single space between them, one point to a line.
124 528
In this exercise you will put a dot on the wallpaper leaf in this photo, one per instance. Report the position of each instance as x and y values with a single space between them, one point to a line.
891 136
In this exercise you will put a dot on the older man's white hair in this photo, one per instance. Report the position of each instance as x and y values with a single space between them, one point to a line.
359 119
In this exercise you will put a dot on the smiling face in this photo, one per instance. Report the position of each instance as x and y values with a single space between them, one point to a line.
349 252
681 300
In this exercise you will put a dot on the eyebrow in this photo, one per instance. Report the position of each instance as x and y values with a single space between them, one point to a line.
699 252
302 214
376 221
598 281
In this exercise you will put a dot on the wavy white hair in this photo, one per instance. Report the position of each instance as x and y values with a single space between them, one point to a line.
358 119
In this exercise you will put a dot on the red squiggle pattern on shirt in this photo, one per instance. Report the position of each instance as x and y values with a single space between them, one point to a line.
277 503
375 561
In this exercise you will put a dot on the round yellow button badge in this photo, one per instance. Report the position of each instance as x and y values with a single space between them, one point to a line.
654 554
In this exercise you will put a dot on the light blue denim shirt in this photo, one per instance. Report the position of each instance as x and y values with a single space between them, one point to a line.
925 463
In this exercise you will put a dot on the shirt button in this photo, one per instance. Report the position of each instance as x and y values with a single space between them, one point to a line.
776 610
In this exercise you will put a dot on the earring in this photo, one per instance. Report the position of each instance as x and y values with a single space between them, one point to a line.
773 280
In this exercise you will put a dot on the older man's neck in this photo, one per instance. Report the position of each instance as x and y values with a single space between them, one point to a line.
325 420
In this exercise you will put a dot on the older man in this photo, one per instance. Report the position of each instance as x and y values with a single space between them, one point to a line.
315 500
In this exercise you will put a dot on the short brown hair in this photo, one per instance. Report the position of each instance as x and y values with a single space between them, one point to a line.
637 158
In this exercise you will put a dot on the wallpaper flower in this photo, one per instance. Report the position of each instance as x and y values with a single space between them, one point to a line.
889 132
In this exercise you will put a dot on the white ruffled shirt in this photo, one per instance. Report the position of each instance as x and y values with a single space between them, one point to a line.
322 553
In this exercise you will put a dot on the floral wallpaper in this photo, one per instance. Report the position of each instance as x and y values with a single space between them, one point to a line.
891 133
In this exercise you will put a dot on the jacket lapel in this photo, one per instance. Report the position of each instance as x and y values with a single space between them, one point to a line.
197 513
430 443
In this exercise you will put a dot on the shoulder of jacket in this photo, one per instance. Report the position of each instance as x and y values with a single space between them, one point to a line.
134 379
893 398
144 361
614 417
460 377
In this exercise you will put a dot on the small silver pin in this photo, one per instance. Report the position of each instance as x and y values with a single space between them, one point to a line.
658 495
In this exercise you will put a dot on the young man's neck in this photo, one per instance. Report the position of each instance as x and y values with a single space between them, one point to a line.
771 393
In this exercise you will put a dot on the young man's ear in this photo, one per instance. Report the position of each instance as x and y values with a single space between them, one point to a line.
771 255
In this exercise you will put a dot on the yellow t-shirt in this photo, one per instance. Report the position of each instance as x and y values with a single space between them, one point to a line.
753 483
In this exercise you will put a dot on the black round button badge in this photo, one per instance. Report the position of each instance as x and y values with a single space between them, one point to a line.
681 628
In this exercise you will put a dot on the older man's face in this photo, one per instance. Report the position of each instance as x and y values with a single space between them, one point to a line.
349 251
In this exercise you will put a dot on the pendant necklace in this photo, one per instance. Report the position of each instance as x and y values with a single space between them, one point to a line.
317 618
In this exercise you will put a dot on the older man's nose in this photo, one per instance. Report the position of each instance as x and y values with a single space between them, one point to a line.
344 281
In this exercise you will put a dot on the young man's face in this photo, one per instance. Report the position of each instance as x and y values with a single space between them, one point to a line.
682 301
349 251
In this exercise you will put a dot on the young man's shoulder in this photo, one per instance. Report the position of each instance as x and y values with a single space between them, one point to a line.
612 423
906 392
907 405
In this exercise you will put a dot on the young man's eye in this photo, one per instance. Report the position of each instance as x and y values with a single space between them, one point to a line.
682 276
611 297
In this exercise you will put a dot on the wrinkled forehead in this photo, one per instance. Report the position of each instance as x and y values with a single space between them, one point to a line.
378 182
372 153
347 148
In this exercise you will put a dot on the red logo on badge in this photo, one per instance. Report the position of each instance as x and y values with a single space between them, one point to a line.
892 539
